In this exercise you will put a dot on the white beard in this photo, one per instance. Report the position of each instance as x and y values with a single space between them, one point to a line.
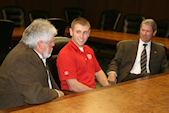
45 54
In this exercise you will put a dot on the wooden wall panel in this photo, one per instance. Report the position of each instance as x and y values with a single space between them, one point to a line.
58 6
125 7
93 10
30 5
156 9
4 3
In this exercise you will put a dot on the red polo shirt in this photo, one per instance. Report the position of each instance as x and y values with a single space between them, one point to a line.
75 64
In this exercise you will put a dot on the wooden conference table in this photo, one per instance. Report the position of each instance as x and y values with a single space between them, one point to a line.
101 36
143 95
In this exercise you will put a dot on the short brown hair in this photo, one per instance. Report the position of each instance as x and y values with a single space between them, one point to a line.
150 22
81 21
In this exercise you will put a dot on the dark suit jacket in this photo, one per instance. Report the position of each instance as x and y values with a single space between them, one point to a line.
23 79
126 55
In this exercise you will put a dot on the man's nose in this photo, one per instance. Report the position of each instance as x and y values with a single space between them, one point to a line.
81 35
53 44
144 32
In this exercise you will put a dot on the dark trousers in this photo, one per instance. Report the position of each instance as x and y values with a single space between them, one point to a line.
135 76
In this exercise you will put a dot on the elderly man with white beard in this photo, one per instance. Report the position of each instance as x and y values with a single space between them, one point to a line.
24 78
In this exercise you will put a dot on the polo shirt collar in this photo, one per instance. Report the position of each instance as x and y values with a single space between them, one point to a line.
73 45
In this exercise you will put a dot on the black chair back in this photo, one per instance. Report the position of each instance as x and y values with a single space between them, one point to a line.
118 45
38 14
60 25
162 28
72 13
131 23
15 14
60 42
109 20
6 30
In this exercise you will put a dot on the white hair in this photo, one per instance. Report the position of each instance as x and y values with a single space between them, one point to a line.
38 30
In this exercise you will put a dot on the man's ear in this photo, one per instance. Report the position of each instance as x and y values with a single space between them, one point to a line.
154 33
89 32
41 46
70 30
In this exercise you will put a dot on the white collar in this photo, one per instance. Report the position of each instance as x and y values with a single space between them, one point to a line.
141 42
41 57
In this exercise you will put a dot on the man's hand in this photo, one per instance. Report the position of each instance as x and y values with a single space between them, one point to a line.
112 77
61 93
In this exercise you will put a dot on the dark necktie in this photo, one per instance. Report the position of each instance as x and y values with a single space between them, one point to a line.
48 77
143 62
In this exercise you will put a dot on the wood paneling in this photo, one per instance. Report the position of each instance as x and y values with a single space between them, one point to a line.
4 3
93 10
125 7
58 6
155 9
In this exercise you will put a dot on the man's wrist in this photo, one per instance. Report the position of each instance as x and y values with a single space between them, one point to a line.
112 72
57 92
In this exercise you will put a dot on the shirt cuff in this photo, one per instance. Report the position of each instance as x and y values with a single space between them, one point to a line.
112 72
57 92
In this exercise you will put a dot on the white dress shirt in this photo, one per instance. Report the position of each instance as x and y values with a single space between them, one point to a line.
44 62
136 69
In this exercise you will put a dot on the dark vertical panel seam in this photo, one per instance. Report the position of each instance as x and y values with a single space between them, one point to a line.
139 6
106 6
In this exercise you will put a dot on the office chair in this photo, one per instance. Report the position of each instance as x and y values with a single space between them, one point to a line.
162 28
15 14
72 13
38 14
6 30
60 25
60 42
109 20
131 23
119 44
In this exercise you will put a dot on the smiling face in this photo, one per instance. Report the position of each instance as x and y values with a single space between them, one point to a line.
146 33
80 34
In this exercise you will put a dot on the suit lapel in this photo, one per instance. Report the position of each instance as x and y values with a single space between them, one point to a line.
54 85
153 54
134 50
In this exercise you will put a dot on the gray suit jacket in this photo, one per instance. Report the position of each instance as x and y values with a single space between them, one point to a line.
126 55
23 79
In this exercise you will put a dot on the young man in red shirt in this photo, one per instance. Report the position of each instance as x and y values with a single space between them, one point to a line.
76 62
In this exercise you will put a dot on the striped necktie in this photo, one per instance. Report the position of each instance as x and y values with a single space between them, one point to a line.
48 77
143 60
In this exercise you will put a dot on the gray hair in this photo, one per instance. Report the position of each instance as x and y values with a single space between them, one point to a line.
150 22
38 30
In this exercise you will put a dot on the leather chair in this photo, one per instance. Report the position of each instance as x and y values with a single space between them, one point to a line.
72 13
162 28
6 30
14 13
60 25
118 45
38 14
60 42
109 20
131 23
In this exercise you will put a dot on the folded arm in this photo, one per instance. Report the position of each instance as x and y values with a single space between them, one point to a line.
101 77
77 86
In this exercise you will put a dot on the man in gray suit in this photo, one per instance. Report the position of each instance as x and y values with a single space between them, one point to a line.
126 64
24 78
